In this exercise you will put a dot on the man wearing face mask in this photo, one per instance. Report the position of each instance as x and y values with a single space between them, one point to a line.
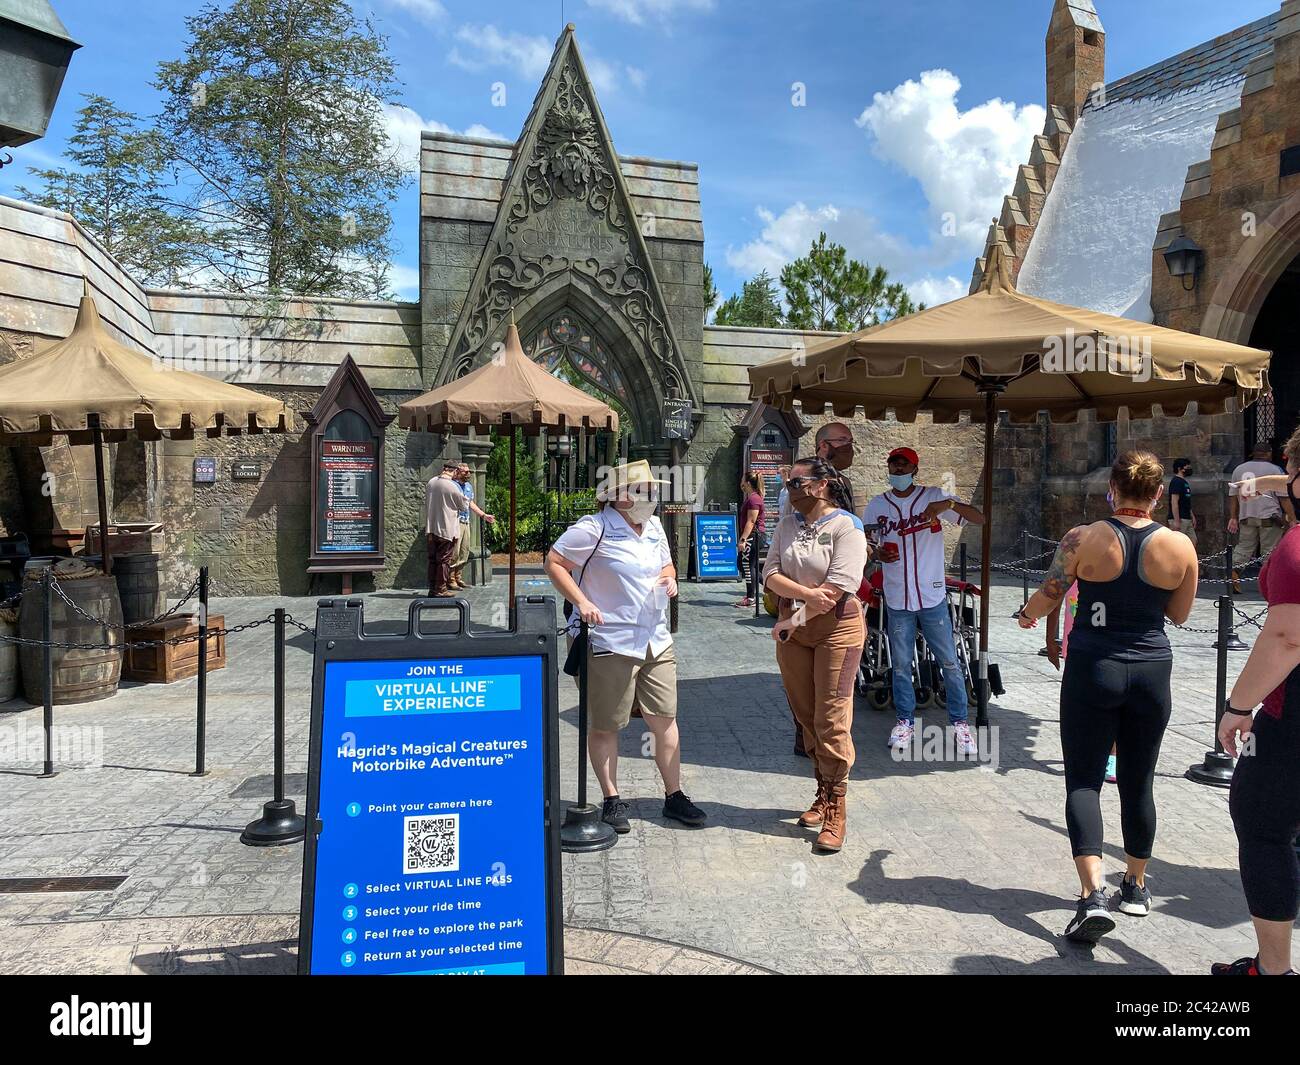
904 523
835 446
615 568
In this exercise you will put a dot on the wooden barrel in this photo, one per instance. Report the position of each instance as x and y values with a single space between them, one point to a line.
138 587
79 675
8 659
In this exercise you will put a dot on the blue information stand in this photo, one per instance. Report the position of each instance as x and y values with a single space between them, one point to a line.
715 547
434 795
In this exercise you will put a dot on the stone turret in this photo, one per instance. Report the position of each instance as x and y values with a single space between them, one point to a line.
1076 56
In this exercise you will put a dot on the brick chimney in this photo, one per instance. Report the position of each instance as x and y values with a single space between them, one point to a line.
1076 55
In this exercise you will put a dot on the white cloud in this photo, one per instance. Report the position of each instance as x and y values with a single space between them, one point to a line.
636 77
404 281
934 290
404 125
640 12
486 47
430 12
964 161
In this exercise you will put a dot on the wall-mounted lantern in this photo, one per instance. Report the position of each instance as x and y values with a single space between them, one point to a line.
1185 257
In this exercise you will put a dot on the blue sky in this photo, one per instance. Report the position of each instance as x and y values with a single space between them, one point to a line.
878 155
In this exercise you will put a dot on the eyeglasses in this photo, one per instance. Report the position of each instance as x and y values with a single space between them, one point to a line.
795 483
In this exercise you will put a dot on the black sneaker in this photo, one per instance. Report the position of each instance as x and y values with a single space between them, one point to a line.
1240 967
614 814
1092 919
1134 899
679 807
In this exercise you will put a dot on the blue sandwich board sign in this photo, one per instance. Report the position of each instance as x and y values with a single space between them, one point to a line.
715 547
433 792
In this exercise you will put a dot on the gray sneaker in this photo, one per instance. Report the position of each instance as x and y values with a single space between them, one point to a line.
1092 919
1134 899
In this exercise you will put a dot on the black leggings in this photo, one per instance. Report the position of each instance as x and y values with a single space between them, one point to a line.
1104 702
1265 805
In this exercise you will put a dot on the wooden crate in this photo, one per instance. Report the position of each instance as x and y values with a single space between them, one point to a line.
127 538
168 662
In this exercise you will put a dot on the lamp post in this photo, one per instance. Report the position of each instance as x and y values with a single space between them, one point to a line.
35 50
1185 257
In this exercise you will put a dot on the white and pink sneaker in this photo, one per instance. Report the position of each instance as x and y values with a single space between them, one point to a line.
965 741
901 737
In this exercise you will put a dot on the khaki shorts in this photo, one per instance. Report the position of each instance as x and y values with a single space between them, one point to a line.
1188 529
614 681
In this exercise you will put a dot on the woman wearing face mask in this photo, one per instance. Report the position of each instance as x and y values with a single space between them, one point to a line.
1133 573
753 513
815 566
624 579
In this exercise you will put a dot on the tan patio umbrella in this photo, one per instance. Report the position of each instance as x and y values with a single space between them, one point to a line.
999 349
509 390
90 388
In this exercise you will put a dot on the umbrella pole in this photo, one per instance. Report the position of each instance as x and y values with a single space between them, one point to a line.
511 599
986 546
102 492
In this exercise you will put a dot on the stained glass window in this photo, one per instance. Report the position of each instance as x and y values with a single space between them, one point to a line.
566 339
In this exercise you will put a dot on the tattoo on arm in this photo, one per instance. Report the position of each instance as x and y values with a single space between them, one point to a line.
1060 575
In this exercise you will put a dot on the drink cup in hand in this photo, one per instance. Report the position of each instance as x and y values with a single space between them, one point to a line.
889 552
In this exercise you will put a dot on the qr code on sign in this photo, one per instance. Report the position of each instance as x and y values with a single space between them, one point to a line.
432 844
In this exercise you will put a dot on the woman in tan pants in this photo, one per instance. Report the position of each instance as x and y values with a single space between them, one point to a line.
814 566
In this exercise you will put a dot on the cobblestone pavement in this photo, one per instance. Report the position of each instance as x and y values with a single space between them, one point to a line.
948 867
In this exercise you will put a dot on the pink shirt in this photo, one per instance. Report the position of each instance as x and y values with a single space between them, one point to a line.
1279 582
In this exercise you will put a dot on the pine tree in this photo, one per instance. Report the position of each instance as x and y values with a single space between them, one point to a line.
756 305
827 290
275 114
116 190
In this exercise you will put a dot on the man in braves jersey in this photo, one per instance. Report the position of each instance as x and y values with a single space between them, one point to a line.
905 525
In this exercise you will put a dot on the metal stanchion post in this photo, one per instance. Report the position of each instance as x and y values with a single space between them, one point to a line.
47 633
1216 768
1024 572
280 823
1231 641
753 569
583 830
201 725
961 554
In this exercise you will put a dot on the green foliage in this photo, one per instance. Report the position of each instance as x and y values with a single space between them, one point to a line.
114 190
827 290
528 495
757 305
710 290
274 112
823 290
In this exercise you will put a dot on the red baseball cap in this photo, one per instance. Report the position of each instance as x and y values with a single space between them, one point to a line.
905 453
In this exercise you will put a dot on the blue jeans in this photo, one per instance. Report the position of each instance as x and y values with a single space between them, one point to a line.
936 627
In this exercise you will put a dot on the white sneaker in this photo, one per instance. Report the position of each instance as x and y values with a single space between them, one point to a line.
902 735
965 741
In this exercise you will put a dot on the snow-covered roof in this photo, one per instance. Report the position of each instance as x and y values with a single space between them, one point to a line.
1125 166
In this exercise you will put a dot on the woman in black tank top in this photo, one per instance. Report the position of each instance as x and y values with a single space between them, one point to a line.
1115 691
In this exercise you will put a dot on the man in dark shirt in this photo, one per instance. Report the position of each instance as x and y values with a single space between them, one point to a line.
1181 518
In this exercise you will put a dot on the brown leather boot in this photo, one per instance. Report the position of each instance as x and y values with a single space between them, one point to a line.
812 818
834 829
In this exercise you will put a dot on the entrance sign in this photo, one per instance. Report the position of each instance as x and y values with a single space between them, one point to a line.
434 795
677 419
715 547
347 476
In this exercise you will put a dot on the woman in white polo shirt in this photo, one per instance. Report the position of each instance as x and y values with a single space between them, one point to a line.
615 568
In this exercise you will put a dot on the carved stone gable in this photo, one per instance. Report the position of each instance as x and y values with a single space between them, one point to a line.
565 210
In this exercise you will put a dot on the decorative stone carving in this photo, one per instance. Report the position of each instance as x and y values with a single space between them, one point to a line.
565 210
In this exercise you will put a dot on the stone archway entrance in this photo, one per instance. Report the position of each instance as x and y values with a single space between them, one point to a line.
569 347
1276 327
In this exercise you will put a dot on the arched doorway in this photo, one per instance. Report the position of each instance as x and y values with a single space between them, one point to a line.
567 345
1277 328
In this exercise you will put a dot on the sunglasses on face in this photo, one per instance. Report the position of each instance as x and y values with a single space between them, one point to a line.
795 483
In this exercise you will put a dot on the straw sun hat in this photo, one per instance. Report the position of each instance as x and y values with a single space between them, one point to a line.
629 475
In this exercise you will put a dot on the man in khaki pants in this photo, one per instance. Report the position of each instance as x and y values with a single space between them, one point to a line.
1258 518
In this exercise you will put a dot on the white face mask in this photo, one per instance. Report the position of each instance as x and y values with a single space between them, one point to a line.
640 511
